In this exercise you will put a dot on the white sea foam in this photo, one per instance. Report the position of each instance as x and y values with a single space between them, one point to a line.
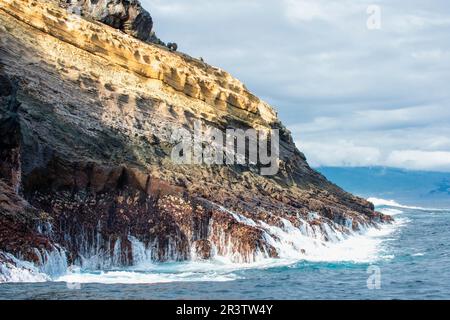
377 202
51 264
327 242
390 211
239 218
365 246
16 270
420 254
133 277
219 269
358 247
324 243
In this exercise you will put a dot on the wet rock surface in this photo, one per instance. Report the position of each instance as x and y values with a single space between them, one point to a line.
85 160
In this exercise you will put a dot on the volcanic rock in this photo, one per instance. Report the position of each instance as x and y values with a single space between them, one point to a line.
125 15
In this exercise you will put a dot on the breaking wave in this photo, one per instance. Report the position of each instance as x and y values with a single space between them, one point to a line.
51 264
377 202
147 277
327 242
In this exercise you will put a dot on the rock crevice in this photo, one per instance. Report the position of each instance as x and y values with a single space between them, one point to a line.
85 161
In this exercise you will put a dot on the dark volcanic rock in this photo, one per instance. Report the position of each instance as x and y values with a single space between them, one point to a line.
125 15
18 222
10 135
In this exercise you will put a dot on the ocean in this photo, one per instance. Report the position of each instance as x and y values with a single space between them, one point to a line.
409 259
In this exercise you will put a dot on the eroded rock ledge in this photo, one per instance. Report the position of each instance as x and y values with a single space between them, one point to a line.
85 160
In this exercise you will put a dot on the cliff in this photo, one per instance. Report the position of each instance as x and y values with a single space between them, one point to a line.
85 157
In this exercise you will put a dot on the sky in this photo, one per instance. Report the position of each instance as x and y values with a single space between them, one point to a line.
358 83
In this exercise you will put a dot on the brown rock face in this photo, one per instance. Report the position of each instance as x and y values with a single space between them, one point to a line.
88 151
203 249
18 220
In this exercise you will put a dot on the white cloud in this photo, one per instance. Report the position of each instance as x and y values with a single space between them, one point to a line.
351 96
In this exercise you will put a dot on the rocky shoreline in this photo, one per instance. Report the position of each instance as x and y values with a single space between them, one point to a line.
85 154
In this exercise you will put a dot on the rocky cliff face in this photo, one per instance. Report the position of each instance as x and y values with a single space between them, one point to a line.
85 152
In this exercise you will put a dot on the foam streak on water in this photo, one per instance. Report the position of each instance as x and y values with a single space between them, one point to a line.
325 243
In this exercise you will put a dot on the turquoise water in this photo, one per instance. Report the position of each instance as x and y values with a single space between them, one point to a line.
413 260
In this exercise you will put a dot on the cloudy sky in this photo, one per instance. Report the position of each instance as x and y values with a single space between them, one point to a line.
351 95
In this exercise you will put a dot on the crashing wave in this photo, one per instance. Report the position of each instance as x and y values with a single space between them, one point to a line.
50 265
327 241
377 202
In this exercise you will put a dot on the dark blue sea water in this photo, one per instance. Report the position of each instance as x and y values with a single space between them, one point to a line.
413 262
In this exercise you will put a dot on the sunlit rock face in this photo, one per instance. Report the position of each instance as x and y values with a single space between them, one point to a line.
86 156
